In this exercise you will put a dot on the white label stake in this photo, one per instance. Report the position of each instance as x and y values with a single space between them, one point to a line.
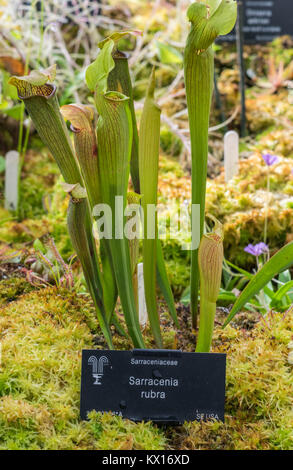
142 310
231 155
11 180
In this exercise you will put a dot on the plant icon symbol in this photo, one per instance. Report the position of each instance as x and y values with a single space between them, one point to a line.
98 368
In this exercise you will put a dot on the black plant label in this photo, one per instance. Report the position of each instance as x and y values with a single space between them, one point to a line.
163 386
264 20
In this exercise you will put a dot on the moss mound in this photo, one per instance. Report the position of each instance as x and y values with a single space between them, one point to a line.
12 288
259 398
39 174
42 334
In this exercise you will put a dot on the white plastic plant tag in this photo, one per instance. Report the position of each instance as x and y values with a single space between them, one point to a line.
142 310
11 180
231 155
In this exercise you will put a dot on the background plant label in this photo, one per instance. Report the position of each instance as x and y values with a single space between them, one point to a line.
264 20
11 180
164 386
231 155
142 310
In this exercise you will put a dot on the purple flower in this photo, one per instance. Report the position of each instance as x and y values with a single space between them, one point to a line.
270 159
257 250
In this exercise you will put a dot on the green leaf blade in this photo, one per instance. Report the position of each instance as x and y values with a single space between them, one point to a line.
149 147
114 136
79 234
119 80
281 293
96 74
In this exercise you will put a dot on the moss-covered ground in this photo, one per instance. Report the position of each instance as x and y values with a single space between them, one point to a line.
42 333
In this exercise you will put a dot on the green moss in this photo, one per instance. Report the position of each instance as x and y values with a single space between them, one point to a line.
267 113
12 288
114 433
169 167
282 49
39 173
170 144
259 398
178 271
52 222
42 334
